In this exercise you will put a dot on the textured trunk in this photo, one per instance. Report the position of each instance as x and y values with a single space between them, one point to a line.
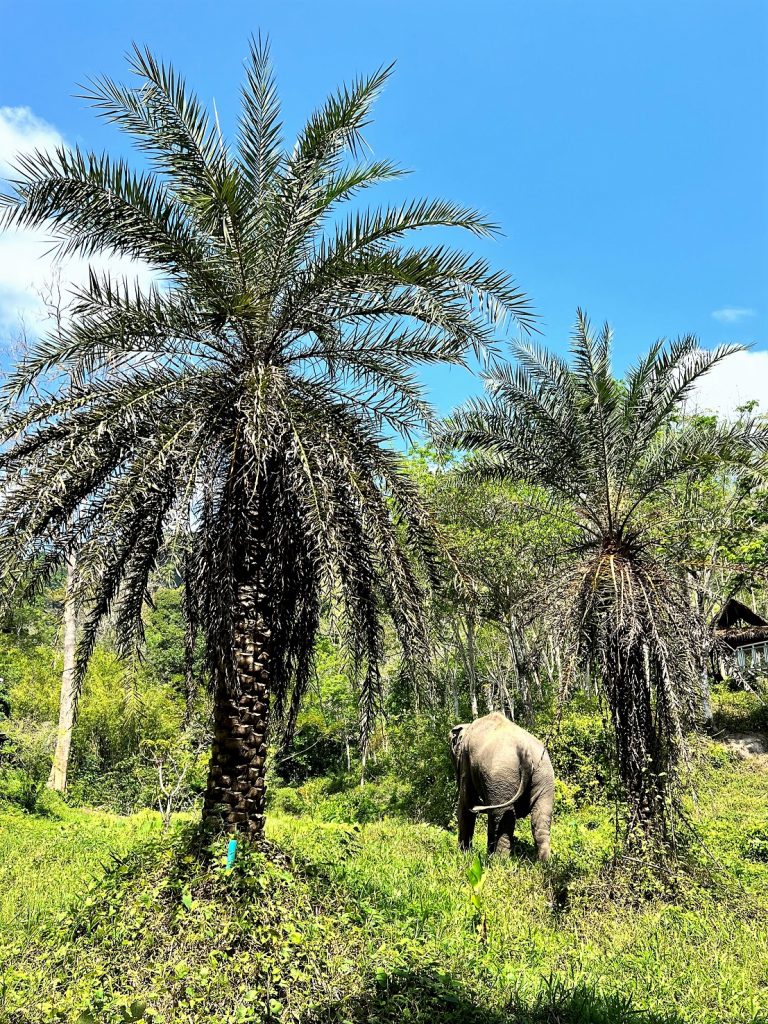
68 698
640 763
236 791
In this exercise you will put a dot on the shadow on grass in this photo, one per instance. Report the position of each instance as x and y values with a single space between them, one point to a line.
426 997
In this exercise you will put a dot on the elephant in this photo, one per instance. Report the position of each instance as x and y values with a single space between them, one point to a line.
504 772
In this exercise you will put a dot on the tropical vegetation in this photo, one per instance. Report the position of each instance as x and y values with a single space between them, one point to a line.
248 584
605 453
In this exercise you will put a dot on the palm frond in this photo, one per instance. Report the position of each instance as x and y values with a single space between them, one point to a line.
260 127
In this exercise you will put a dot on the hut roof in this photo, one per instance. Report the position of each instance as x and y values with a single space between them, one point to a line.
743 637
734 614
738 626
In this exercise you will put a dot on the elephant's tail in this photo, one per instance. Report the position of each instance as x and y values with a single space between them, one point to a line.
484 808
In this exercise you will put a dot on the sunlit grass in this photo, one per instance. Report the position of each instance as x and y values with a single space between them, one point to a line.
46 861
683 952
396 903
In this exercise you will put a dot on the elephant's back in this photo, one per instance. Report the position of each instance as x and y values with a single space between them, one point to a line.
498 733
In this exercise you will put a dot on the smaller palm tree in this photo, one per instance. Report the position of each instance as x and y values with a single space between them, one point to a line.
604 450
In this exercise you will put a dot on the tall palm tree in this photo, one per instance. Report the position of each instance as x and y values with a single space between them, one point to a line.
246 397
603 451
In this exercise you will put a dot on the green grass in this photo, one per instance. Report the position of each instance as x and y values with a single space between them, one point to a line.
377 923
562 922
47 860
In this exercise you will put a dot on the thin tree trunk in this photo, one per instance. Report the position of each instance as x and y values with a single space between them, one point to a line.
236 790
57 779
454 685
190 642
190 679
467 657
472 662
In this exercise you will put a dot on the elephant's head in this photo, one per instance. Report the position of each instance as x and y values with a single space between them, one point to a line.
457 737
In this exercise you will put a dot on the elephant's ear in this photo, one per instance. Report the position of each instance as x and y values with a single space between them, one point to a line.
456 734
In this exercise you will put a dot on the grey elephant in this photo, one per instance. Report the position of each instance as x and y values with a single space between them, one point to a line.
506 773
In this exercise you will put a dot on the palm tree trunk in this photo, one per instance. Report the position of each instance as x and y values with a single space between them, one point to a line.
639 762
57 779
236 790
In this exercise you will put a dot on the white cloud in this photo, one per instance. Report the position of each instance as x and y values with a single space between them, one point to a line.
732 314
22 132
26 263
740 378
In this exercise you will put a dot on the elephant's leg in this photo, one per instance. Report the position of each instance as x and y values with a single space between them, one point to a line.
541 822
466 819
501 831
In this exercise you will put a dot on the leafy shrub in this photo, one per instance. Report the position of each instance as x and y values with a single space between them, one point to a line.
419 759
122 787
717 754
318 747
755 845
25 760
364 803
738 710
581 749
134 783
122 706
120 709
413 777
50 804
567 796
341 799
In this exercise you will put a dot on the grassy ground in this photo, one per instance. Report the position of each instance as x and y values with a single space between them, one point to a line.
381 923
47 860
700 954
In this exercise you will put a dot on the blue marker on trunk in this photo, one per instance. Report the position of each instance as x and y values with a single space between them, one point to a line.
231 851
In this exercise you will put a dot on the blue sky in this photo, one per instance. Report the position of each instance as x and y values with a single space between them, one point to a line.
621 146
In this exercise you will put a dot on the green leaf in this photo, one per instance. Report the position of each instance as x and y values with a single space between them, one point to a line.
135 1011
475 872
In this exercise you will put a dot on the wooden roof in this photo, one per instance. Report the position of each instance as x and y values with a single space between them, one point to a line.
743 637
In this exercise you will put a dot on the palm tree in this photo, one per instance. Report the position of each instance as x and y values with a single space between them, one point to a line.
604 451
247 397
